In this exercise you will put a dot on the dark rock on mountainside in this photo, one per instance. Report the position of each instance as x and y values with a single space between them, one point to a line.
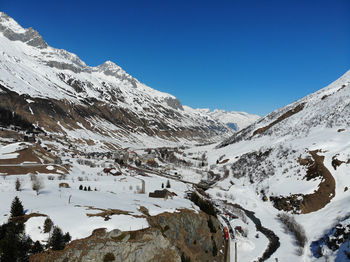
170 237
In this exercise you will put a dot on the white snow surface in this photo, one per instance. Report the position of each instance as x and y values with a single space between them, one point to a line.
119 192
239 119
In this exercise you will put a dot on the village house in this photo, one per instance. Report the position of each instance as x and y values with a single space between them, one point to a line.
159 194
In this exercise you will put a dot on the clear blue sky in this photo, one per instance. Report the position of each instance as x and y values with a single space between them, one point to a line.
253 56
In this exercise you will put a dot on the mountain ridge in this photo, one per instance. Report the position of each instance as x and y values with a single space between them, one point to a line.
32 68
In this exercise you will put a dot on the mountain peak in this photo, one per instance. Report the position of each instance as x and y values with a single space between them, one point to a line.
109 68
109 65
8 23
14 32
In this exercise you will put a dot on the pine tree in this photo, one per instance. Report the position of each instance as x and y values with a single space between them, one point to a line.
37 248
168 184
56 242
67 238
16 208
18 185
81 187
85 189
162 185
8 242
89 188
14 244
48 225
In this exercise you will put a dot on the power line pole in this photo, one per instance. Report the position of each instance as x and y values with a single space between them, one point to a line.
236 251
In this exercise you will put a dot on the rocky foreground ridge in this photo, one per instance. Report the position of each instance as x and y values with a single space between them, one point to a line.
171 238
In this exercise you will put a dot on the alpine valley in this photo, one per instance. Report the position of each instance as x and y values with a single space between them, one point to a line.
133 175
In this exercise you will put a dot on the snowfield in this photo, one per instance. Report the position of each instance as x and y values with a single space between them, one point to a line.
293 161
69 207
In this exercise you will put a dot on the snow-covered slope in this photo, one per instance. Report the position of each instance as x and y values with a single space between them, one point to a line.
326 108
235 120
59 92
294 160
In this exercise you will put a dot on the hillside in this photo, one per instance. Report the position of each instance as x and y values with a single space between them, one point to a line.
294 160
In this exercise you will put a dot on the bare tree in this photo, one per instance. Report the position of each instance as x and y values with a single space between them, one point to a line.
37 184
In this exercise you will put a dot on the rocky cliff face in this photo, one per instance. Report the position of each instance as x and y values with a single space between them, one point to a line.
138 246
171 236
191 235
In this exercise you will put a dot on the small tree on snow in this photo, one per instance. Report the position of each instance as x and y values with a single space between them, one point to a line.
18 184
16 208
168 184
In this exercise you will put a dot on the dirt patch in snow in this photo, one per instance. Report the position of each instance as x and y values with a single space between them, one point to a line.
107 213
304 204
31 169
25 218
31 160
336 162
326 189
291 112
224 161
25 155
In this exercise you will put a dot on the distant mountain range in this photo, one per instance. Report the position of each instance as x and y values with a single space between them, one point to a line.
235 120
54 89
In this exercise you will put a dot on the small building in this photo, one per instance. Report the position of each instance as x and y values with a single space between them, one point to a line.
159 194
30 139
64 185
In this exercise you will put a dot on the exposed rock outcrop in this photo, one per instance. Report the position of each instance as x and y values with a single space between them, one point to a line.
170 237
137 246
191 235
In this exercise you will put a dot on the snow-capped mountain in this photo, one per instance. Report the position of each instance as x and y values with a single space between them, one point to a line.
295 160
57 91
234 119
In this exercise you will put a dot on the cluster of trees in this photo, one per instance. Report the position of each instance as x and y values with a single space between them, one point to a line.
81 187
15 245
37 183
167 184
8 118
